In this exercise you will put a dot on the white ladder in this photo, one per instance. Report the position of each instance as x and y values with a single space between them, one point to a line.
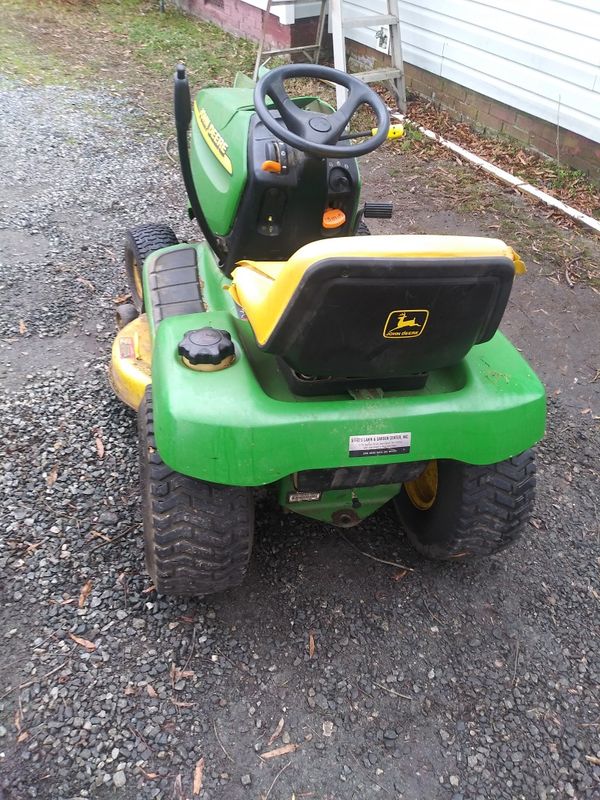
311 51
394 74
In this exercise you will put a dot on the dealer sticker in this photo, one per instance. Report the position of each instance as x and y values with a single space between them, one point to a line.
379 444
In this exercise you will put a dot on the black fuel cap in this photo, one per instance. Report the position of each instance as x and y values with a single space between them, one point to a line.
206 346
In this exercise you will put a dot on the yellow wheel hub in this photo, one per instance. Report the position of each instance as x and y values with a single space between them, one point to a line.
423 490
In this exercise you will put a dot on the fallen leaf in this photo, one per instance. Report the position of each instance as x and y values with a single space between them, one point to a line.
150 775
151 588
18 720
52 476
130 690
178 789
22 737
311 645
277 731
84 593
280 751
22 327
198 773
100 447
327 728
122 298
176 673
98 535
151 691
86 283
83 642
593 760
399 575
182 704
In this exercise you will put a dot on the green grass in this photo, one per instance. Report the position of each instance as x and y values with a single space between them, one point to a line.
159 40
18 59
116 41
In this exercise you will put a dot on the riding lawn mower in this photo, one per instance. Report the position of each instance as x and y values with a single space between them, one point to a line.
293 350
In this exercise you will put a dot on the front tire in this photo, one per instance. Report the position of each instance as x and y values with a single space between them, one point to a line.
457 510
197 535
139 243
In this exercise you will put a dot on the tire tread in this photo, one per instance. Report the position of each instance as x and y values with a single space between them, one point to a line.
198 535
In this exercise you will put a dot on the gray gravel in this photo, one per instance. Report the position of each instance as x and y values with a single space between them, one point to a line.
470 680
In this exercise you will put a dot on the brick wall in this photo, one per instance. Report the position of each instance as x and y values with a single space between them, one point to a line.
243 19
489 115
240 19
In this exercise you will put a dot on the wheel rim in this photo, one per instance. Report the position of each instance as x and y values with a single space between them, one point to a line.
423 490
137 278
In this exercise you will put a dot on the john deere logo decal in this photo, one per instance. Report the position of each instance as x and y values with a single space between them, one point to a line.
405 323
216 143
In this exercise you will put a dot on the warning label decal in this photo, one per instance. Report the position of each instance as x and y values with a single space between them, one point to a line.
379 444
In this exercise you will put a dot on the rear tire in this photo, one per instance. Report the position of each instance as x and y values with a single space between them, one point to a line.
139 243
475 511
197 535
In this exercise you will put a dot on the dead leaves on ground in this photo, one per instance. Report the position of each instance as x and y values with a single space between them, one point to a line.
89 646
84 593
21 734
100 447
52 476
198 775
280 751
277 732
88 284
179 674
311 645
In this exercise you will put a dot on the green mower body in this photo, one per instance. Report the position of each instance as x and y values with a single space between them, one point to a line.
245 427
239 412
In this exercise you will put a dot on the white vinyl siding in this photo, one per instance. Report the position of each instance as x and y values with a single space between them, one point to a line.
539 56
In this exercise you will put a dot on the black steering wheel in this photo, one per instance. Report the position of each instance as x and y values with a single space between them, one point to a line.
312 131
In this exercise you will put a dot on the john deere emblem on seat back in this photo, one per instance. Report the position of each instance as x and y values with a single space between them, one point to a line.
405 323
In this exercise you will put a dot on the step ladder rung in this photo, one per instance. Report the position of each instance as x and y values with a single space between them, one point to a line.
376 75
370 21
341 24
287 50
311 51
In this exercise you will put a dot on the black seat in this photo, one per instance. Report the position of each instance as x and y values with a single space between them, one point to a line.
377 317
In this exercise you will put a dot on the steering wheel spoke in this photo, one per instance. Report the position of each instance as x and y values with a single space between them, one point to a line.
313 132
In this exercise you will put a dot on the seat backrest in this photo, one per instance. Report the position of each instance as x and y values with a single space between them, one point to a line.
378 307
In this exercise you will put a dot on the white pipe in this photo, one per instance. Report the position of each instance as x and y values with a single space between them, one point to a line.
518 183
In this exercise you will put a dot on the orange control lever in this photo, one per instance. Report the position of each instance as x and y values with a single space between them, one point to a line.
271 166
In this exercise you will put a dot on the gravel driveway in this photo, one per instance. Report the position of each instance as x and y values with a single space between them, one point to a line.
469 680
